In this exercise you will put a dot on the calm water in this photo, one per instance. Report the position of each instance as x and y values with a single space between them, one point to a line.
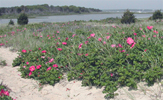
66 18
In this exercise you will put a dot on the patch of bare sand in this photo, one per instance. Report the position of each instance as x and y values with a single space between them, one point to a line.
27 89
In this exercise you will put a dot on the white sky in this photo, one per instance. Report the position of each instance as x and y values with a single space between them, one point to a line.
100 4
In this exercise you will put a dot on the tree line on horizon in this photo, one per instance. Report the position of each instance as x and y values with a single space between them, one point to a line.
37 9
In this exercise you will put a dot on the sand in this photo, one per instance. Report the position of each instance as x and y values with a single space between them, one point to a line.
28 89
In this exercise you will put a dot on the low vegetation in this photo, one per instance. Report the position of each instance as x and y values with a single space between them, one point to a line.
103 56
5 92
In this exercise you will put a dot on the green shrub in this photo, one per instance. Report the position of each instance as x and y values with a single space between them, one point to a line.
128 17
85 57
22 19
157 15
11 22
3 62
4 93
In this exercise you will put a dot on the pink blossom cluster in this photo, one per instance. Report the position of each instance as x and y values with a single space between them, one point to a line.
131 42
3 92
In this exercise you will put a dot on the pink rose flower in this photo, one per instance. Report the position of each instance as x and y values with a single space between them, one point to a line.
43 57
140 28
123 51
88 37
73 35
49 68
51 60
44 51
149 27
55 65
60 49
154 35
86 42
155 31
80 45
130 40
107 37
92 35
32 68
135 33
6 93
64 43
99 39
27 63
38 67
24 51
30 73
143 35
120 45
104 42
132 45
113 45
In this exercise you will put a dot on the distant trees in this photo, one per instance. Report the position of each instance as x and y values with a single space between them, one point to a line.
0 12
18 10
65 8
22 7
46 8
128 17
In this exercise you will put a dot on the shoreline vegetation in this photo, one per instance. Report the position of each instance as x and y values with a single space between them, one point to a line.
14 16
103 22
44 10
34 11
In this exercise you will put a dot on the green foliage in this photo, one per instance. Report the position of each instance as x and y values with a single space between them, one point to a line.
95 63
128 17
3 62
3 96
18 10
0 12
45 9
17 61
11 22
22 19
157 15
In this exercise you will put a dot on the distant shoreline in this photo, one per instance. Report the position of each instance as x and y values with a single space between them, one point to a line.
34 16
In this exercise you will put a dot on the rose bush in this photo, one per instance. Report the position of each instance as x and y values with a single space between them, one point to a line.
120 56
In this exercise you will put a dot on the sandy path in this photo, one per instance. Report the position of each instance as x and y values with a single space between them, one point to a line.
27 89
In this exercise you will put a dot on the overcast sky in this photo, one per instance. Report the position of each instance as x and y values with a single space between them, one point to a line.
100 4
